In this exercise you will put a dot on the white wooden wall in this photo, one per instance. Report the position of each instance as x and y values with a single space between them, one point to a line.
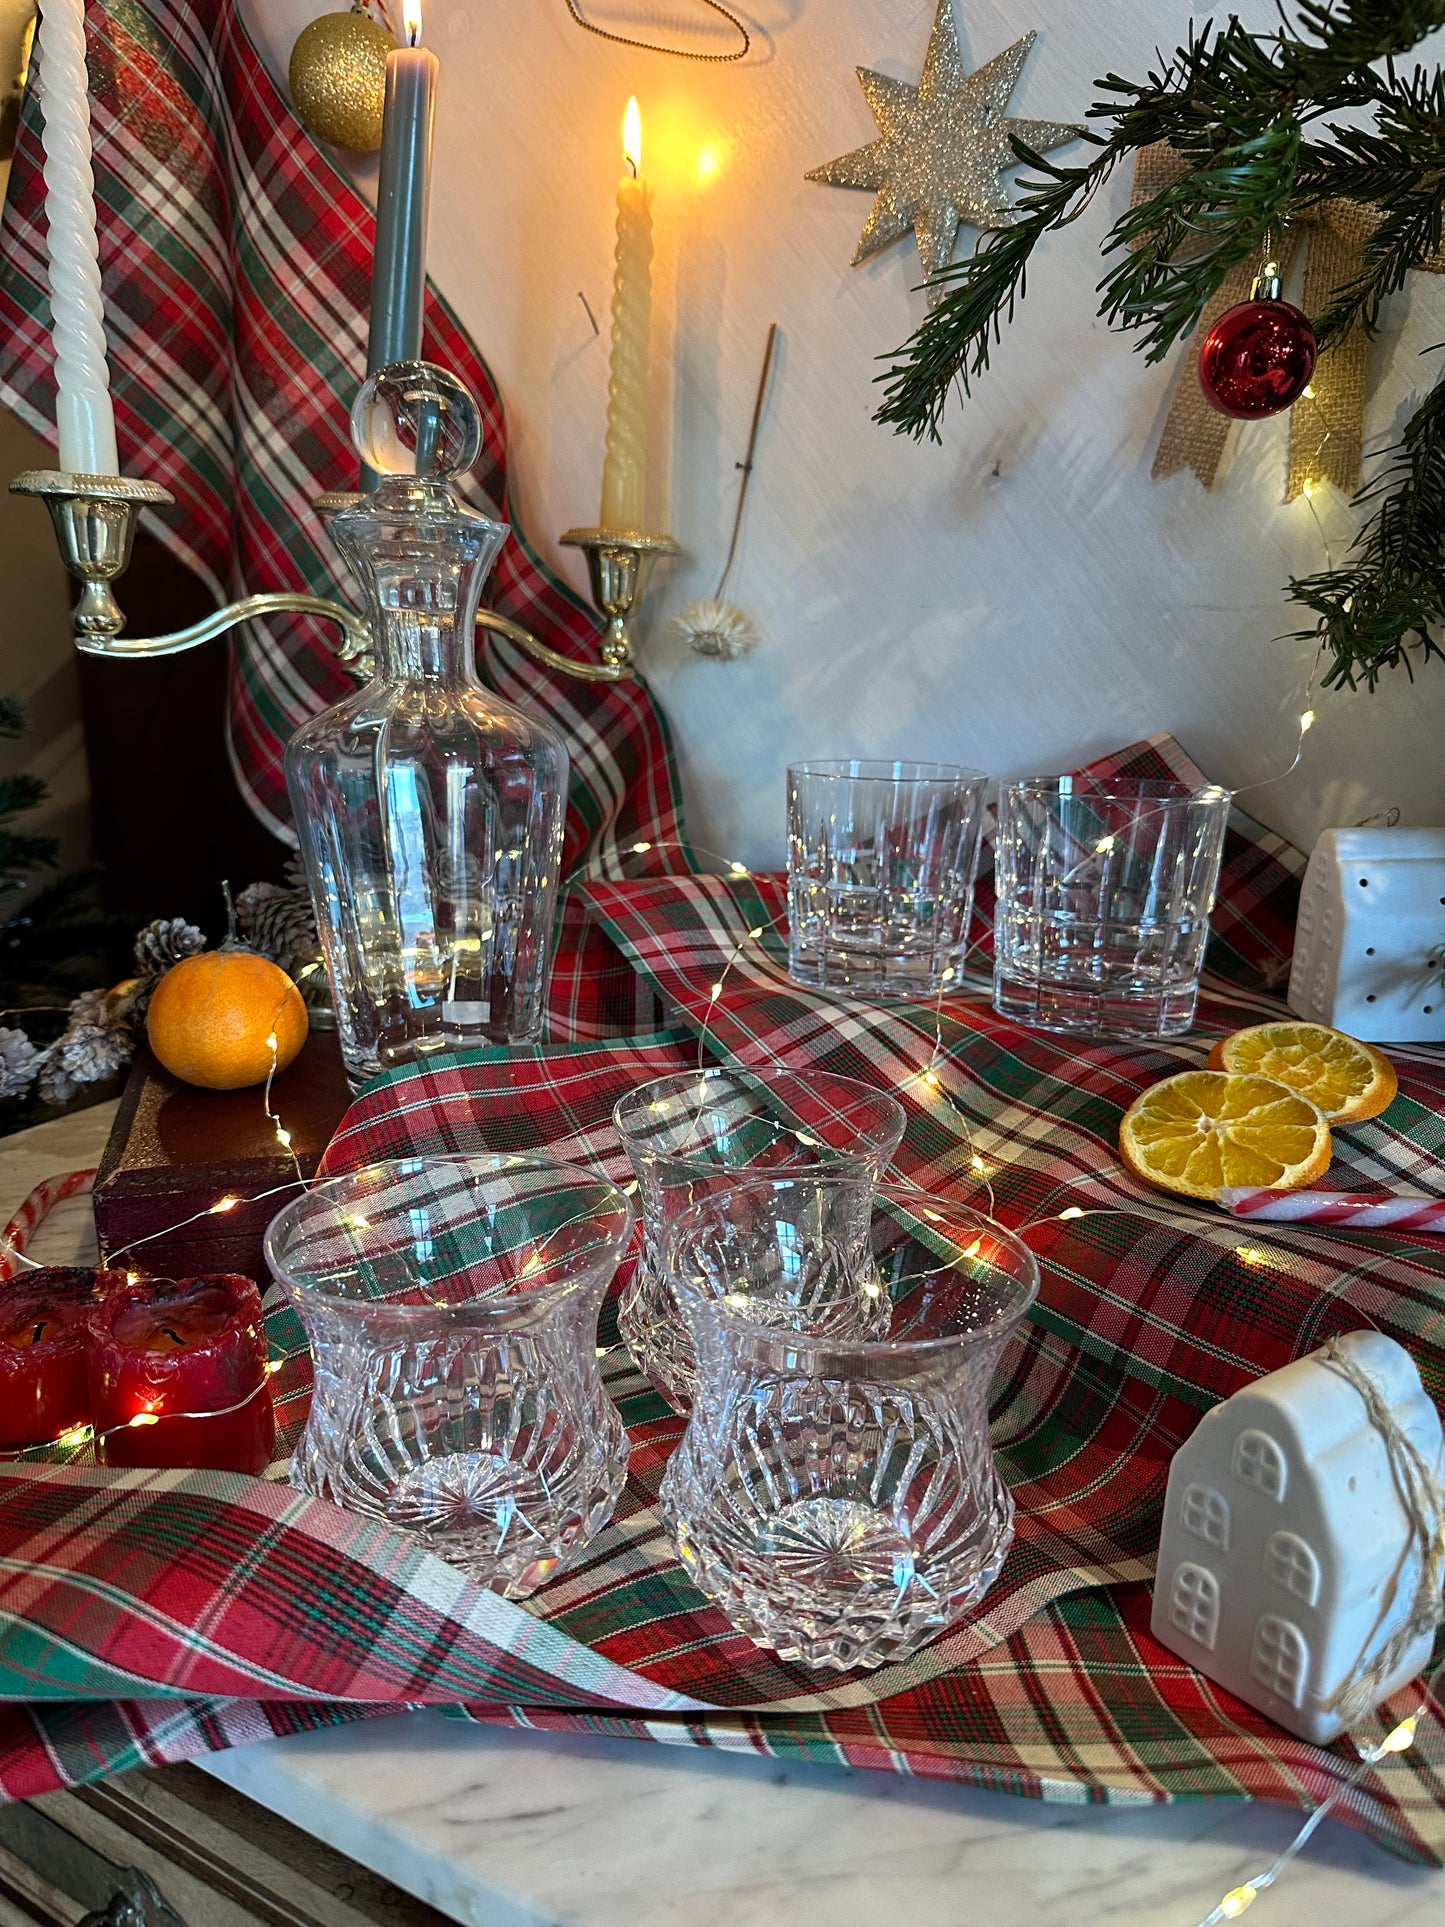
1017 599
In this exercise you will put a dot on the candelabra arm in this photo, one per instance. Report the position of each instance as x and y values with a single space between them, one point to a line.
569 666
94 518
356 636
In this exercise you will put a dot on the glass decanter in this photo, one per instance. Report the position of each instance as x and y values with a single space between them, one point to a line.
429 811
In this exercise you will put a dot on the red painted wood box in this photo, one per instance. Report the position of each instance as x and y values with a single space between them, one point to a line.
175 1151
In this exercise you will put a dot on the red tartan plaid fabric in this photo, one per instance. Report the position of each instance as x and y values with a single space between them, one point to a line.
1148 1315
236 261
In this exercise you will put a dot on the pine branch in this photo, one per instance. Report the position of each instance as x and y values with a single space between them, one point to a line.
1384 605
1232 103
953 343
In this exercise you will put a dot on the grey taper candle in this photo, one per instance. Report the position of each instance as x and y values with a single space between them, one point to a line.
398 277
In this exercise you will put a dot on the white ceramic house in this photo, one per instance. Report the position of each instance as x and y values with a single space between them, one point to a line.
1284 1552
1369 945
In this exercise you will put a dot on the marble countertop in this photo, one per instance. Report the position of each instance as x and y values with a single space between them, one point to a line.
497 1827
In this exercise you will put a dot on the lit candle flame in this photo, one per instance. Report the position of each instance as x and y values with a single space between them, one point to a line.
632 135
411 20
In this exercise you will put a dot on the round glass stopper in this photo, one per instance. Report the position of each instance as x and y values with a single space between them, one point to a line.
413 418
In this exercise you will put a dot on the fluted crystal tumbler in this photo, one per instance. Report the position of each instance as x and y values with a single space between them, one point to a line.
1104 892
835 1492
429 812
881 862
696 1132
452 1306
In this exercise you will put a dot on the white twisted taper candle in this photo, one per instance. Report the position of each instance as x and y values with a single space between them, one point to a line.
84 419
624 475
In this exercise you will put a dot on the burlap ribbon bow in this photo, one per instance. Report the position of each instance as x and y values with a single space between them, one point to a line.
1327 423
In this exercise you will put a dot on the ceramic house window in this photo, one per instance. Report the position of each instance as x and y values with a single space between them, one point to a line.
1290 1563
1258 1461
1279 1658
1205 1513
1194 1604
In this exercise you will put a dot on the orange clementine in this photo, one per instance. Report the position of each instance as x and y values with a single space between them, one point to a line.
212 1018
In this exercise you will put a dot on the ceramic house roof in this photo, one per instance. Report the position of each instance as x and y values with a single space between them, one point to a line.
1326 1434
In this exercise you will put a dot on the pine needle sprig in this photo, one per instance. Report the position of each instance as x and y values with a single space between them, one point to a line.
952 345
1385 607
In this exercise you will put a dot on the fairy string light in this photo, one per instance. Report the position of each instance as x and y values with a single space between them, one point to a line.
925 1085
1398 1740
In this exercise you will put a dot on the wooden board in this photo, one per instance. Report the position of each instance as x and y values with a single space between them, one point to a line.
175 1151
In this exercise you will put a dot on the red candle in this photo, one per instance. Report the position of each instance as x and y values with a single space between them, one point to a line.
43 1316
178 1375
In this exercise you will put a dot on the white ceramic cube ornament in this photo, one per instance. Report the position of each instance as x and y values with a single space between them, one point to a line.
1369 947
1286 1553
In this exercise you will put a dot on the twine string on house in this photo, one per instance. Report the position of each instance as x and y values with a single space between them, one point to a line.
1422 1494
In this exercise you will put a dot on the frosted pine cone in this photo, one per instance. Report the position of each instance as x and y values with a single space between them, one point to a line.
163 943
19 1061
278 921
94 1044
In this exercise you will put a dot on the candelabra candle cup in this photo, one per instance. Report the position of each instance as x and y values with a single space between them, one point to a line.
1104 892
178 1375
695 1132
43 1387
452 1307
835 1492
881 863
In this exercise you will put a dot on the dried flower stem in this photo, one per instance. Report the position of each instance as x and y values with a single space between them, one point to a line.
746 464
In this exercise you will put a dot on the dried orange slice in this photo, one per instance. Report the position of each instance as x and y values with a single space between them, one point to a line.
1203 1130
1347 1079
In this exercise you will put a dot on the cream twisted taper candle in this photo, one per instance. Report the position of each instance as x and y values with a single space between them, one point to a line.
84 419
624 475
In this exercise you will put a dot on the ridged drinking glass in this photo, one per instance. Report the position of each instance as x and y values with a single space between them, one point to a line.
695 1132
1104 892
835 1492
881 863
452 1306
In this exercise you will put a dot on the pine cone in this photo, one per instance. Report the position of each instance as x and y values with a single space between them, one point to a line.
278 921
94 1044
19 1061
164 943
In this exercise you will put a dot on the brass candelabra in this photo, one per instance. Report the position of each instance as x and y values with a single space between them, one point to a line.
95 517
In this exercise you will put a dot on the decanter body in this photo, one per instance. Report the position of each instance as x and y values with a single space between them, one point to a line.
429 812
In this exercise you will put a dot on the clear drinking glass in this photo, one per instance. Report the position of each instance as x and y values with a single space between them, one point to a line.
835 1492
881 862
429 812
1104 894
695 1132
451 1305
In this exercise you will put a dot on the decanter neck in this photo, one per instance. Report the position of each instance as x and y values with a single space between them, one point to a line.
420 559
424 627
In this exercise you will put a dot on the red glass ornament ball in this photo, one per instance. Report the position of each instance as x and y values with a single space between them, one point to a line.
1257 359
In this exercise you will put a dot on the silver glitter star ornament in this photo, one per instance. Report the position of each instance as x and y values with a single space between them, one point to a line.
940 158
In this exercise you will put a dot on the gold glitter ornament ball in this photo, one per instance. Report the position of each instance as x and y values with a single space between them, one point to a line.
338 79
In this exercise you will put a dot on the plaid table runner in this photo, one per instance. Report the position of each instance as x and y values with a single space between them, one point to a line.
236 263
198 1610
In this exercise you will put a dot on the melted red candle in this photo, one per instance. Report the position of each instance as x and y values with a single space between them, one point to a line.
43 1390
189 1361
